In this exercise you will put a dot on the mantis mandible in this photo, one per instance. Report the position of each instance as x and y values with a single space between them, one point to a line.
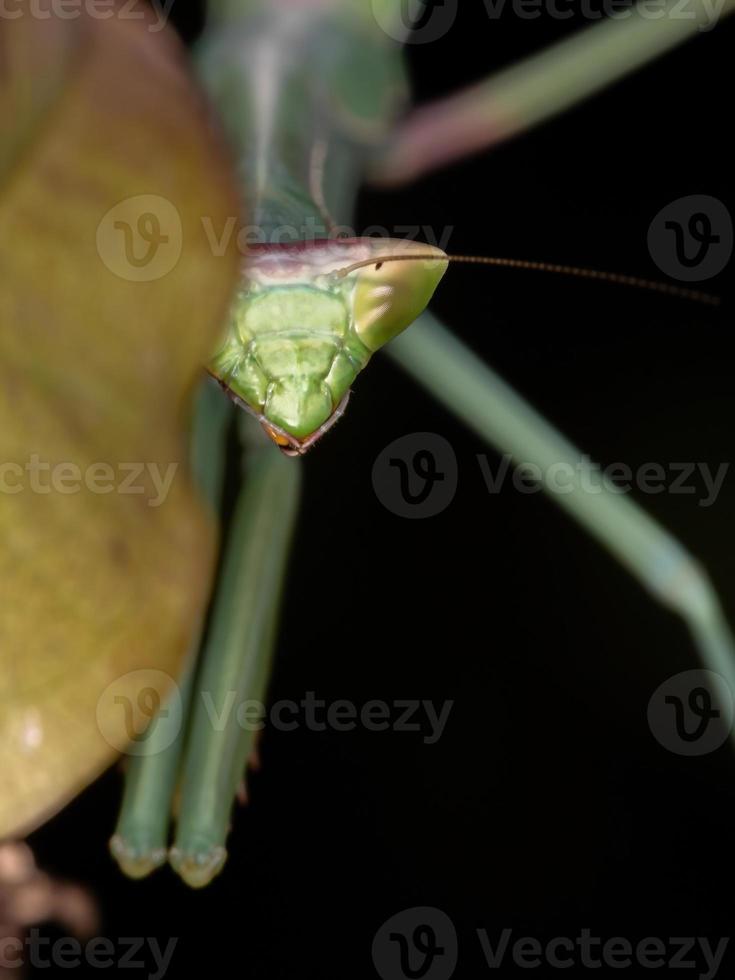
310 314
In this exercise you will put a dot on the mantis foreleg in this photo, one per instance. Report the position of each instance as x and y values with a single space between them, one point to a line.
140 842
236 656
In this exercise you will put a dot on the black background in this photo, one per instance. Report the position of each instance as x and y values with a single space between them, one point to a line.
547 806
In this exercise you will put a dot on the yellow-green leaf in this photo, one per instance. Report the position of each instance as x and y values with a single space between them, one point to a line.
110 299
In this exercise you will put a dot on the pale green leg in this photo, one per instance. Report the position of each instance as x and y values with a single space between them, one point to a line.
140 842
231 685
496 412
515 99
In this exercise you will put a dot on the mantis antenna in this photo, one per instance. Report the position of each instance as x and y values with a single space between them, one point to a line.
681 292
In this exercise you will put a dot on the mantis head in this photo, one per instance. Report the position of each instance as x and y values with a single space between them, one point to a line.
311 315
307 320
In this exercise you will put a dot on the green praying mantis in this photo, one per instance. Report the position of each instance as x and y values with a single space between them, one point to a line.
310 96
307 319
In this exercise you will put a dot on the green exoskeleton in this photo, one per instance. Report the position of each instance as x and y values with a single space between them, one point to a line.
310 94
309 317
313 96
304 326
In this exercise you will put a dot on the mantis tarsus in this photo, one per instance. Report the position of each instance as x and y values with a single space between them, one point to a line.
252 60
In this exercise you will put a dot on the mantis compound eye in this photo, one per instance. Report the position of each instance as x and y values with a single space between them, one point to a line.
394 289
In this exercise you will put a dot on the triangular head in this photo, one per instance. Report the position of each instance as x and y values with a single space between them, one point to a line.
307 320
